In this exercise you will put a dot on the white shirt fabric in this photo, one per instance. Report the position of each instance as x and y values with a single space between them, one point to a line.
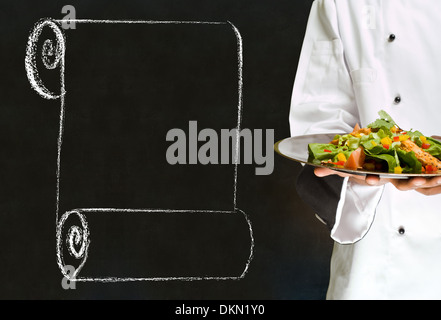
349 69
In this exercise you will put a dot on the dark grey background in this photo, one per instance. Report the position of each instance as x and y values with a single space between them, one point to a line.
292 249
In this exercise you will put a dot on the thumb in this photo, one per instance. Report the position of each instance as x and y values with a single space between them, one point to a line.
323 172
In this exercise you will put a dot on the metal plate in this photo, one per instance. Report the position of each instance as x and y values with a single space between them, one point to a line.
296 148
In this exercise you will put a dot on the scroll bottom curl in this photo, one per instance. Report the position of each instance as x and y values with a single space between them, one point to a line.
154 245
73 245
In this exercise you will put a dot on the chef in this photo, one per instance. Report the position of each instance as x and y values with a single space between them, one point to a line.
359 57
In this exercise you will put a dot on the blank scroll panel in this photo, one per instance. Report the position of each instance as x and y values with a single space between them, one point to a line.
123 211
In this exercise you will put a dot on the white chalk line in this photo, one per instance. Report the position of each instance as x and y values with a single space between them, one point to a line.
59 144
58 53
239 107
158 279
138 279
83 233
102 21
125 210
37 85
239 63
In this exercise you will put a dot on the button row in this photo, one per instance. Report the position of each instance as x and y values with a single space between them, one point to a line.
392 38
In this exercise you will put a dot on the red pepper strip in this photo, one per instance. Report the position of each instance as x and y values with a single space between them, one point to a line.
386 146
396 138
425 146
326 150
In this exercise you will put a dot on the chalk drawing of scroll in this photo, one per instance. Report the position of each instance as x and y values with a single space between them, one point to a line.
82 228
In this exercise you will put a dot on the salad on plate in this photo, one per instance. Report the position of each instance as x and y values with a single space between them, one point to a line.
382 146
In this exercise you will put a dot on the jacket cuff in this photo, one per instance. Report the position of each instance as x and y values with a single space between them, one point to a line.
355 211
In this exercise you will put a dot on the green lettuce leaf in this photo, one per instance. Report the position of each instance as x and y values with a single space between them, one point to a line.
435 147
390 159
410 161
384 122
384 115
316 151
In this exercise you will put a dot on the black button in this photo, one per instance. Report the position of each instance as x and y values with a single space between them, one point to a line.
392 37
401 230
397 99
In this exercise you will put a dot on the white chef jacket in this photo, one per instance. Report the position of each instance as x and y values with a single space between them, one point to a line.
358 57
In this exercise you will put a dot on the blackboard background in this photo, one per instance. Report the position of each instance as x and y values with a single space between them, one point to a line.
292 249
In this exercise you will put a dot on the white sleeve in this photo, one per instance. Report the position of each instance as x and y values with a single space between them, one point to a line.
323 101
355 211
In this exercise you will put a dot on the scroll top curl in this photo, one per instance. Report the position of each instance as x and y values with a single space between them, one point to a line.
52 56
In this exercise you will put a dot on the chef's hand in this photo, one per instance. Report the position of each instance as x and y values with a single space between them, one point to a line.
426 186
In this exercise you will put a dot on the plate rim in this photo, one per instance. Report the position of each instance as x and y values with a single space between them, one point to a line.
386 175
